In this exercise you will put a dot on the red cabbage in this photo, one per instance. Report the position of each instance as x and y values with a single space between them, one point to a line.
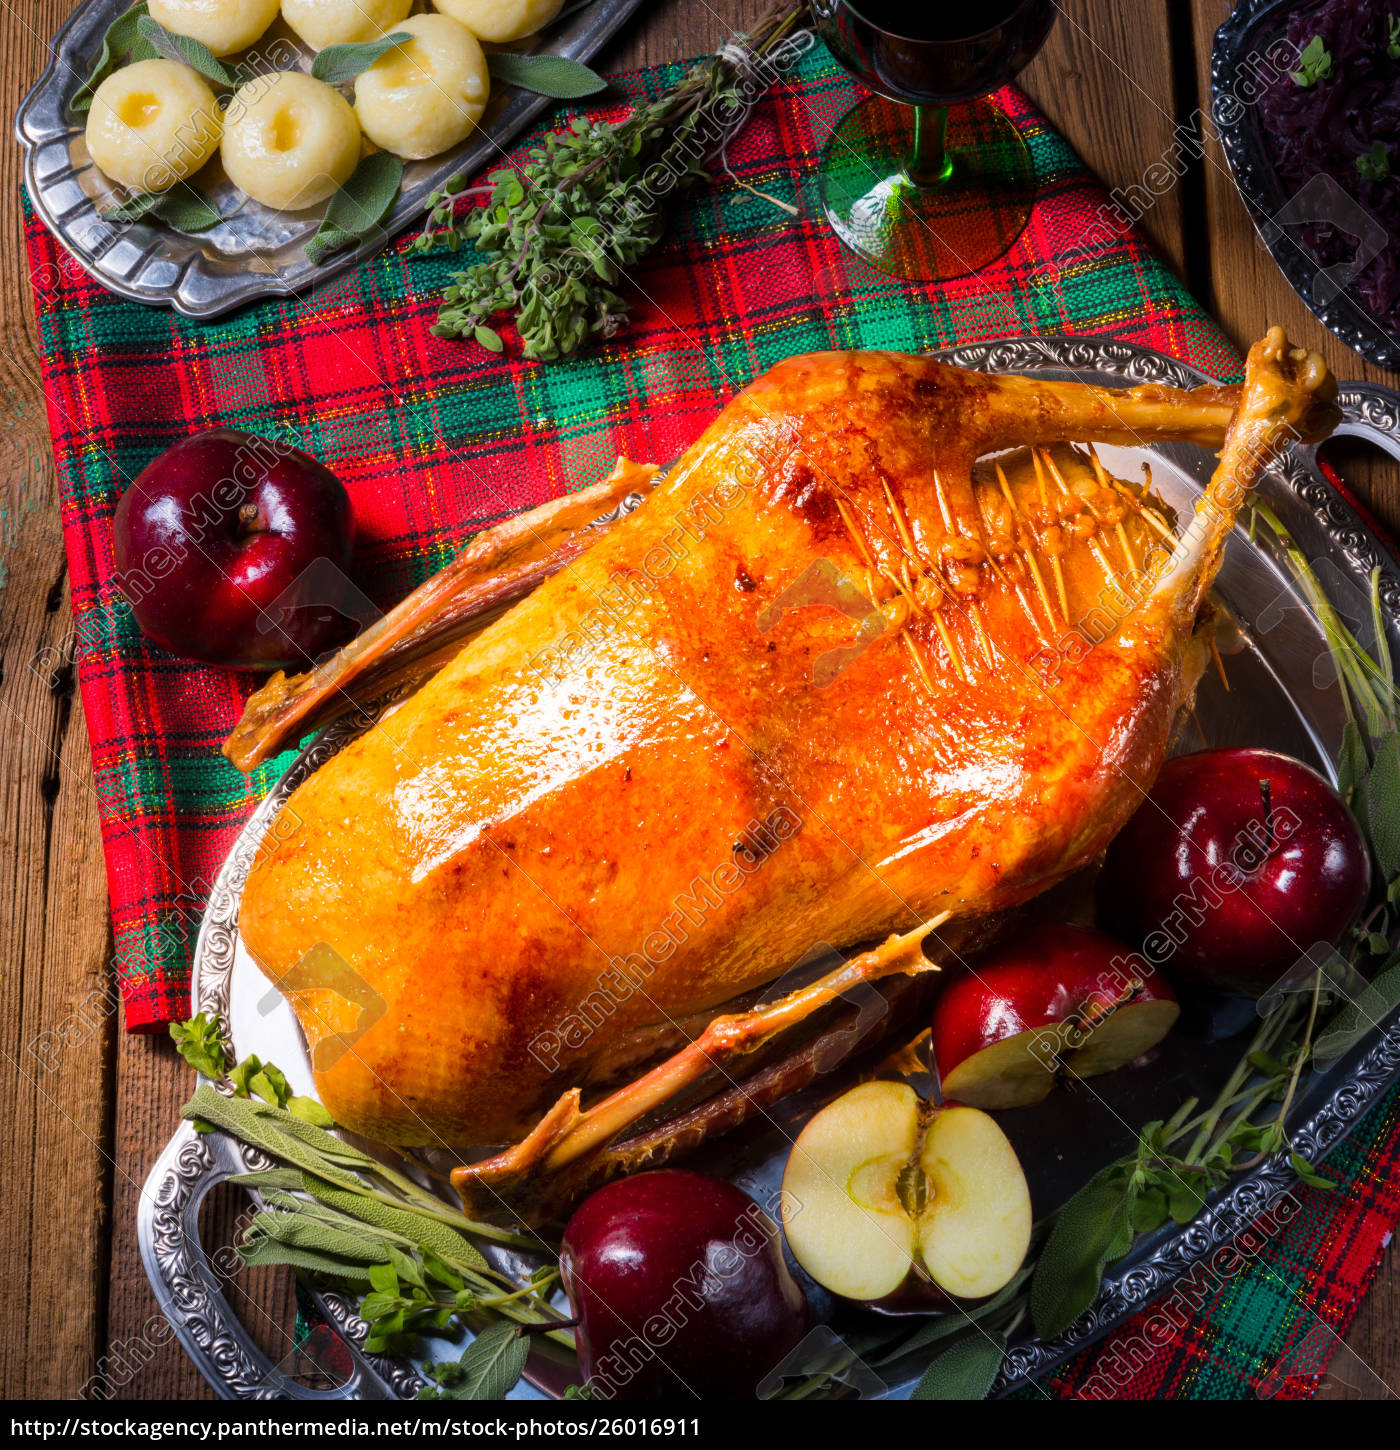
1324 127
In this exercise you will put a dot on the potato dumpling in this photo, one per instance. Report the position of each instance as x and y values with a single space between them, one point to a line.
497 20
340 22
425 95
290 141
152 124
223 25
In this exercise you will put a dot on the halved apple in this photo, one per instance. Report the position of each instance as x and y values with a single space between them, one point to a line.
886 1196
1059 1001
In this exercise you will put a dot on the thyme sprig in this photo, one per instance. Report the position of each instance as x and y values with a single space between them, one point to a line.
557 233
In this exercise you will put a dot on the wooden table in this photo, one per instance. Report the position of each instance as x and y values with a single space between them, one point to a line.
79 1136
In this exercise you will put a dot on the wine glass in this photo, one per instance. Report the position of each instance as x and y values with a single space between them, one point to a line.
927 179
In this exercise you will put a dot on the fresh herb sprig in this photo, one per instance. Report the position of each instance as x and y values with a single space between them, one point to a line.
1314 64
335 1213
1374 164
557 233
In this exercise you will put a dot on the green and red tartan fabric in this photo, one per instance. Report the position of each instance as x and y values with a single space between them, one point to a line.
435 438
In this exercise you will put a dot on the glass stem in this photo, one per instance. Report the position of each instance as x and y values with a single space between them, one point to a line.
929 164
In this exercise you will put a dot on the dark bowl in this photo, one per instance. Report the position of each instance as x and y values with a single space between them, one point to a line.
1252 34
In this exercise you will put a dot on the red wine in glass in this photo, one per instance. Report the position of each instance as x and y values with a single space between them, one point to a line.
926 178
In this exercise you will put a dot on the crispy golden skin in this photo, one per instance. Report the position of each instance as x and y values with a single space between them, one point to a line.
698 751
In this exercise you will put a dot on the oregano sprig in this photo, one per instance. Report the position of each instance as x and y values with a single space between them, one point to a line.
556 234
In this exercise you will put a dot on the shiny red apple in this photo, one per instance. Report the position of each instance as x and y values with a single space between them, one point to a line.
1056 1001
235 549
680 1288
1238 862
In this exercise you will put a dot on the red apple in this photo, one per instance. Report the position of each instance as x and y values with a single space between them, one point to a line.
236 549
1057 1001
1237 863
889 1200
680 1287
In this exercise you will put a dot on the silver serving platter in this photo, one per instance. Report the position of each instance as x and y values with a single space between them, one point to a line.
257 252
1281 697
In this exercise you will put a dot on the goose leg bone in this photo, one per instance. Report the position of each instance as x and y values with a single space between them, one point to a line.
567 1132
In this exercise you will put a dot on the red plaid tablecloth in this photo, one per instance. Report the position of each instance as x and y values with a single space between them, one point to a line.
435 438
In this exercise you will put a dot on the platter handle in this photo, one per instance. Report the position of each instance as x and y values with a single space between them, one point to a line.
187 1283
1372 412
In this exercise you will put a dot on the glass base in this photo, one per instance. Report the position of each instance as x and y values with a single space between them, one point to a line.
936 232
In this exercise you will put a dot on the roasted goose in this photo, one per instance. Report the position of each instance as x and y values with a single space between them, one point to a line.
852 669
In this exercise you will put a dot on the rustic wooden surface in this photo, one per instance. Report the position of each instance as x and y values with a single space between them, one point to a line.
85 1115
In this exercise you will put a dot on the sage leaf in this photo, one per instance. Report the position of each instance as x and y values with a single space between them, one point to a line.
269 1178
966 1370
1371 1005
337 64
355 212
490 1367
1089 1232
557 76
302 1231
938 1327
1382 805
121 43
239 1118
182 209
266 1252
193 53
323 1142
187 211
428 1233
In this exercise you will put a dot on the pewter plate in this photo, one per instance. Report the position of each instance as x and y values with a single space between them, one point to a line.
1252 31
257 252
1282 696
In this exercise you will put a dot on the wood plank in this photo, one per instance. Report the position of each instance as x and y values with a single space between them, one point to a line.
1104 79
54 1099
